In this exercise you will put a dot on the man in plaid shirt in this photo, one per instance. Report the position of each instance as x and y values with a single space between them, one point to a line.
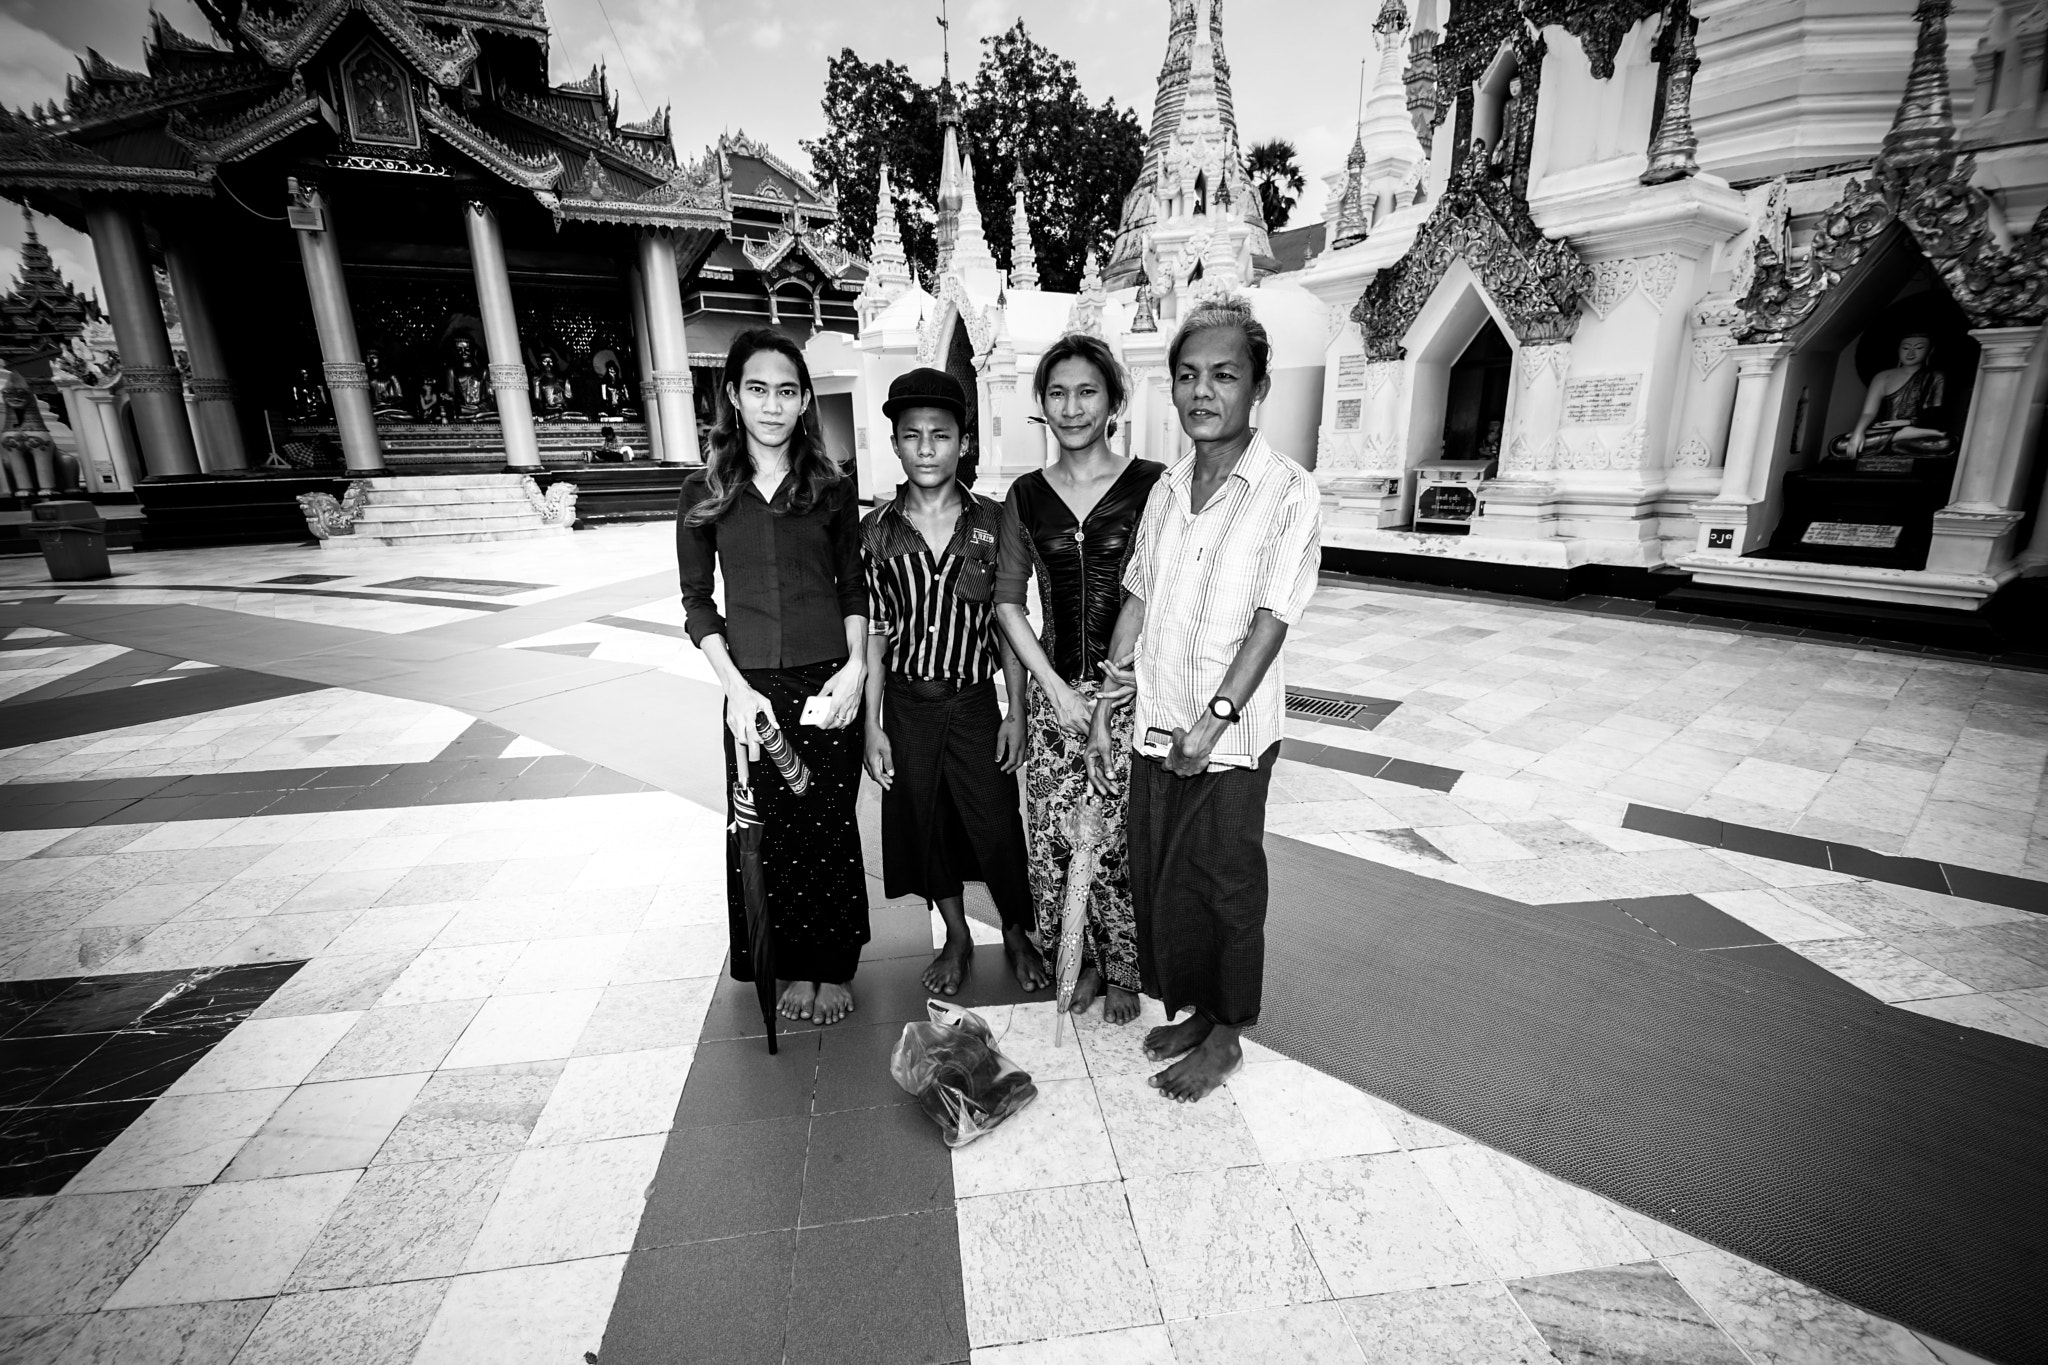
1225 560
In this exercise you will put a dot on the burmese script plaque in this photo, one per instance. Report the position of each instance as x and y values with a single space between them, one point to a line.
1854 535
1351 371
1447 502
1884 464
1601 400
1347 413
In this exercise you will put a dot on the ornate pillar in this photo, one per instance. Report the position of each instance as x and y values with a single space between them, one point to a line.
219 429
1725 523
671 348
1972 533
636 289
149 372
501 338
1709 397
348 382
1531 449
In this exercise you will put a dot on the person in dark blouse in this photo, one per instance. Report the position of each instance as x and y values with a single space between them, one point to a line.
779 522
1071 525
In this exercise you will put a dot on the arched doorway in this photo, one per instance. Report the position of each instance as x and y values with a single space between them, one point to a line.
1476 399
960 364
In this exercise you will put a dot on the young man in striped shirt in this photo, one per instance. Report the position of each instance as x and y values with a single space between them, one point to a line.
945 757
1224 561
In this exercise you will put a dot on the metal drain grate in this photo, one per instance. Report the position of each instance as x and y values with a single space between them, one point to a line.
1322 708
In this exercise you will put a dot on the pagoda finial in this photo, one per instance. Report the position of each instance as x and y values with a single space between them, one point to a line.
1924 129
1673 152
970 246
1023 259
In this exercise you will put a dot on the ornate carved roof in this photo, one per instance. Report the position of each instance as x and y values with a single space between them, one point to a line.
733 150
42 311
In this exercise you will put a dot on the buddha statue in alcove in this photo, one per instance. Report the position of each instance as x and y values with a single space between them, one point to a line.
387 391
433 404
550 389
1904 409
309 398
614 399
468 396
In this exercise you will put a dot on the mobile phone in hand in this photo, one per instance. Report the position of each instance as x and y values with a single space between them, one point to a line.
816 709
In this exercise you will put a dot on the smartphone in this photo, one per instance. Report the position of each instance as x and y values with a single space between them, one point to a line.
1158 743
815 710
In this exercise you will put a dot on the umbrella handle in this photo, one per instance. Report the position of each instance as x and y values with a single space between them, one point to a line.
739 753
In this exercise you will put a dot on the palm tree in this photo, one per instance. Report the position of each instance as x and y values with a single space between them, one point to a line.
1273 168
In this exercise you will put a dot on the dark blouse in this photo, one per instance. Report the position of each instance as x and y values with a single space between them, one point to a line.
1080 565
790 581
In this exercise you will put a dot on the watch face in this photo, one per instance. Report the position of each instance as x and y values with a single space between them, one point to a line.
1222 709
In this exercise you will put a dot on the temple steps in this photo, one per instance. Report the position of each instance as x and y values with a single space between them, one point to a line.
448 509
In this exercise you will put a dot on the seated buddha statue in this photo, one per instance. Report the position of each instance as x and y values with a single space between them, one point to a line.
432 405
614 399
1903 410
309 398
466 396
550 390
387 391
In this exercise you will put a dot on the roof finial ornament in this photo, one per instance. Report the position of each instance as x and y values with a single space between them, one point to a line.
1673 152
1924 129
1023 259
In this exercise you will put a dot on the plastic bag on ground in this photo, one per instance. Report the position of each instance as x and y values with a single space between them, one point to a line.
951 1064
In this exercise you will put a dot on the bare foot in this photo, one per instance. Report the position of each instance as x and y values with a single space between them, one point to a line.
1170 1040
949 968
796 999
1202 1070
1086 987
1122 1006
835 1002
1025 961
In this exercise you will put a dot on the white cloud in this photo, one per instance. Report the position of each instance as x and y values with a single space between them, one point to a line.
32 64
767 36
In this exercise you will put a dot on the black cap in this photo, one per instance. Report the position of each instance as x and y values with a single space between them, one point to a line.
926 388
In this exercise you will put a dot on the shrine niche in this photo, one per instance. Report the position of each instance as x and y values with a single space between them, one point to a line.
377 93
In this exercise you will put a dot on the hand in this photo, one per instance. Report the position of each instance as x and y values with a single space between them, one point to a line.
1099 754
742 705
842 695
879 759
1072 711
1189 756
1855 446
1119 680
1010 743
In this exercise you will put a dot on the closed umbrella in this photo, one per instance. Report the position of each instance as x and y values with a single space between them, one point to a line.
745 833
1084 836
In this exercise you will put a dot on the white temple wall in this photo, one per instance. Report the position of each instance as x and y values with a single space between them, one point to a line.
1581 121
880 471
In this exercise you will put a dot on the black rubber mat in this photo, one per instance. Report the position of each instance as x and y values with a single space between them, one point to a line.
1891 1159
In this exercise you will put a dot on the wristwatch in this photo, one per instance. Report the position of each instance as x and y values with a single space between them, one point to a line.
1224 709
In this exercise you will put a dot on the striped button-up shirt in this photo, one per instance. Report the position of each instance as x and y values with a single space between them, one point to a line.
1257 544
938 613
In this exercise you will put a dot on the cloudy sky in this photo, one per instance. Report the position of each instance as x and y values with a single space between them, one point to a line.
759 65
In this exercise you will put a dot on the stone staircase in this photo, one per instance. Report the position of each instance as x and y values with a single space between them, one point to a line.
439 509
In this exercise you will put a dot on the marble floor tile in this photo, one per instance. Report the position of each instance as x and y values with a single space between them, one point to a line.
241 897
332 1126
179 1140
1787 1323
468 973
1302 1334
153 903
473 1112
237 1241
538 1313
263 1053
1629 1312
379 1324
1990 1013
569 1202
182 943
16 1212
1375 1224
331 890
334 984
647 1015
524 1028
1661 1238
41 1339
179 1334
1125 1346
1979 958
1024 1034
1058 1139
1412 1132
1523 1221
398 929
280 937
1008 1240
565 964
408 1222
1222 1241
1153 1135
77 1249
1119 1049
1296 1113
1880 969
1467 1324
671 954
1778 915
614 1095
390 1042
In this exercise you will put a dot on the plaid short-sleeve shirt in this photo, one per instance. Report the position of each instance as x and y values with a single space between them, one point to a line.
1203 575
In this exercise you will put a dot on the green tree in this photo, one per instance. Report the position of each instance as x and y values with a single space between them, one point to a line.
1276 172
1024 103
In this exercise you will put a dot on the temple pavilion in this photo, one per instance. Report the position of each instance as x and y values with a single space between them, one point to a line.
398 247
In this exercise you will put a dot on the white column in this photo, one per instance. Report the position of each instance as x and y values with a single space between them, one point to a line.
671 347
348 382
1725 522
1530 452
213 395
1708 401
1973 533
149 372
501 338
636 289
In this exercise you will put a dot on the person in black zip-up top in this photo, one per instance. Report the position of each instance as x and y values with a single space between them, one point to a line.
1071 524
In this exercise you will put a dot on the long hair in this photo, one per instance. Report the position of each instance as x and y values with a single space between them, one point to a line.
729 465
1090 349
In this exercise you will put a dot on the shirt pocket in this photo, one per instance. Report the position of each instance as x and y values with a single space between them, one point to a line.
977 580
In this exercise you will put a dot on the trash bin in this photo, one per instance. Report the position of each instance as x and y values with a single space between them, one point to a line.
73 537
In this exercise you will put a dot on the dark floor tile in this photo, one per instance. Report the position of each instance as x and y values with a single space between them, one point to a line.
705 1303
604 782
1882 867
135 1065
737 1081
1795 972
303 578
223 998
101 1004
133 788
853 1069
1771 843
155 810
20 1000
232 805
542 788
891 991
898 929
882 1292
353 775
726 1181
1426 775
41 1149
1997 888
30 1066
1299 751
1352 761
875 1163
312 801
1610 913
464 791
1635 1313
1690 922
736 1013
1697 829
67 814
